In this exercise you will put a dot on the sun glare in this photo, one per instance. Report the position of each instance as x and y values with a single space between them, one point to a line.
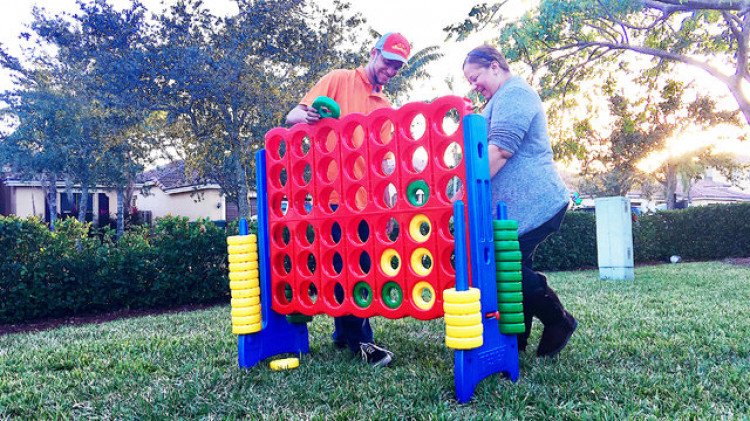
723 138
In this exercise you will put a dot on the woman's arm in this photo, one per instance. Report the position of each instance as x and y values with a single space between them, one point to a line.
498 158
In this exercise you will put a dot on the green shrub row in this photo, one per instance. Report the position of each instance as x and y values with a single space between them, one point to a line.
697 233
47 274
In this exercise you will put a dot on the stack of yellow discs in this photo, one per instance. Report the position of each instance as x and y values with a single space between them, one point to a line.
463 319
244 283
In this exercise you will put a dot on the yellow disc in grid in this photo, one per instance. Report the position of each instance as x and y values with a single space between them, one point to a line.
236 240
243 257
243 266
246 320
457 297
243 248
470 331
385 262
245 329
415 228
242 285
244 276
419 300
246 311
416 261
463 343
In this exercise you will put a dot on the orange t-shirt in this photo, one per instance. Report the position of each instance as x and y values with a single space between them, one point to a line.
352 90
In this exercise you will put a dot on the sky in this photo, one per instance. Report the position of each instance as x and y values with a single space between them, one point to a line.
420 21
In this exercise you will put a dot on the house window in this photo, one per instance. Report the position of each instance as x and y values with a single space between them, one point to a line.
68 208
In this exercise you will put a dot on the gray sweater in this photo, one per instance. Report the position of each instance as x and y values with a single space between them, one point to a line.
528 182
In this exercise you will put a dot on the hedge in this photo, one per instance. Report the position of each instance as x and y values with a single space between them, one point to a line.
47 274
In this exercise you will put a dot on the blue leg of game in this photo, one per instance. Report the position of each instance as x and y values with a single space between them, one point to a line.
499 353
277 335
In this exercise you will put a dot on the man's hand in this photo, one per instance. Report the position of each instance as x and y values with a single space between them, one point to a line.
302 114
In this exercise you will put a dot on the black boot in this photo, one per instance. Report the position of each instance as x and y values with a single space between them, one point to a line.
559 325
528 318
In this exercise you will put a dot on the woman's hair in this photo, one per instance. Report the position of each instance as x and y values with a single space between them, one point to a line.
484 55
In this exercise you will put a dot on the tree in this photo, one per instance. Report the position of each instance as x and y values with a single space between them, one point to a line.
567 40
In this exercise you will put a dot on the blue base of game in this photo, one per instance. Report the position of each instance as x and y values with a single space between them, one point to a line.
277 337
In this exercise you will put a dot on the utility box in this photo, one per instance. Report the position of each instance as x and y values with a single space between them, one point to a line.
614 238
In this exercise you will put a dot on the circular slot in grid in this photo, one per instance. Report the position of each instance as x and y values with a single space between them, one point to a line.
451 121
283 293
302 144
387 163
310 266
333 294
327 140
276 146
281 235
305 234
390 262
448 260
359 262
302 173
419 159
417 126
356 198
384 130
421 261
454 189
446 226
328 170
420 228
388 197
303 202
359 231
393 295
330 233
279 204
423 295
355 167
310 295
362 294
452 155
354 135
278 176
330 200
387 229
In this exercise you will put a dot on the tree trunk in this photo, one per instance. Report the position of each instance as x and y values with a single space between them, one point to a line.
671 185
52 200
83 203
120 212
243 207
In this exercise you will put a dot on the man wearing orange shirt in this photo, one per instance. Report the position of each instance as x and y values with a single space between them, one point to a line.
357 91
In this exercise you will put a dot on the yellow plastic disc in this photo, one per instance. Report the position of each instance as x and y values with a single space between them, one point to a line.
243 302
458 297
243 266
246 311
244 276
463 308
243 249
414 228
419 301
463 343
416 261
243 257
464 331
385 262
236 240
463 319
246 293
245 329
246 320
284 364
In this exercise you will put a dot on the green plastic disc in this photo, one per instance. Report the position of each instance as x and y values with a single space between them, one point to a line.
515 276
512 329
508 256
363 294
507 246
509 297
511 318
510 308
507 266
393 295
505 235
326 107
508 286
505 224
413 188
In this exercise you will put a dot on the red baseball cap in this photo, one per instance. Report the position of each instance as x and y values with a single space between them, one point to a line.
394 46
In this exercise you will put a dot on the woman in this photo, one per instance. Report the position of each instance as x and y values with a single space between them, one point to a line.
524 177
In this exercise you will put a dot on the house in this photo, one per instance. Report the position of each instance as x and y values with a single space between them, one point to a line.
165 190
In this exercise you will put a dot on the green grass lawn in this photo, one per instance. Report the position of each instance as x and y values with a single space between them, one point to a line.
673 344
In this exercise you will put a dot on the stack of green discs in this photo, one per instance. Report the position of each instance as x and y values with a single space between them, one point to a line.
508 271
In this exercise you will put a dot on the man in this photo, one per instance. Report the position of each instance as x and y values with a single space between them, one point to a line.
357 91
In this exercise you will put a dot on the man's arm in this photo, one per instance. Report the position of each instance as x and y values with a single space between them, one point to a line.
498 158
302 114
